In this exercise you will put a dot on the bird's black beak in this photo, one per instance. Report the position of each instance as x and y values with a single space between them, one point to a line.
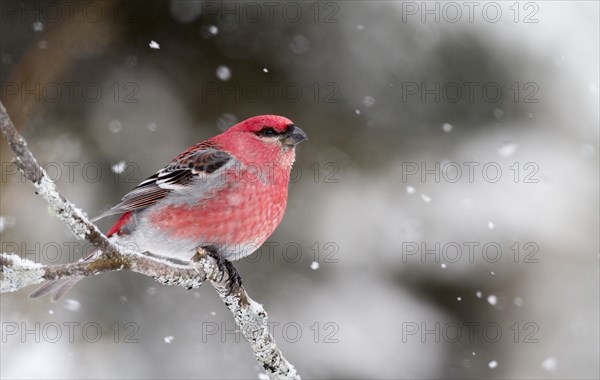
293 135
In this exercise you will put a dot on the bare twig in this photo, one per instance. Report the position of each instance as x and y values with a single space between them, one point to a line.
18 272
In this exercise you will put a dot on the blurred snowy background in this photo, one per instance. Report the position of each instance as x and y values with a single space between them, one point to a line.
443 220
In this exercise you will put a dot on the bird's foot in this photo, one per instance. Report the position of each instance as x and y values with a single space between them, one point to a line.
234 281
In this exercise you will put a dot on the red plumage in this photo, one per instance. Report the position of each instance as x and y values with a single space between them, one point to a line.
120 223
227 194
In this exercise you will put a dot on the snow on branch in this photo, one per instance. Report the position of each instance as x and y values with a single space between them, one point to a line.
17 272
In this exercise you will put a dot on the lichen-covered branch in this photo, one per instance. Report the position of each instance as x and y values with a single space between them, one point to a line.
251 317
23 273
17 272
74 218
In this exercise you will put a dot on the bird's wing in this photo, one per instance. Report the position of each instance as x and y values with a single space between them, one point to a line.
204 163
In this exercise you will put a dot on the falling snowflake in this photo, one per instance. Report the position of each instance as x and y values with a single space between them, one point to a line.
38 26
518 301
507 149
72 305
119 167
223 73
115 126
314 265
154 45
368 101
550 364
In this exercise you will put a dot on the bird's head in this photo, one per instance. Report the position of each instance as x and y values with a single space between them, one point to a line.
271 129
265 138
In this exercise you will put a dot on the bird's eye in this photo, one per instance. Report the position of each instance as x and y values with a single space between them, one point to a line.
267 132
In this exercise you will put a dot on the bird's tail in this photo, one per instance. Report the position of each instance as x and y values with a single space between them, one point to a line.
58 288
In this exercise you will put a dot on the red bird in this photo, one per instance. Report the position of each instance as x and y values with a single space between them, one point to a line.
226 194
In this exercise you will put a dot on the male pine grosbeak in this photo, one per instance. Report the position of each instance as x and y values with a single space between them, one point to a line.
226 194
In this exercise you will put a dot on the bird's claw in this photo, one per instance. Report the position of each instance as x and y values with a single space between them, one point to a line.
234 280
